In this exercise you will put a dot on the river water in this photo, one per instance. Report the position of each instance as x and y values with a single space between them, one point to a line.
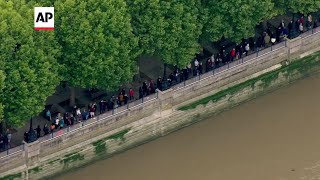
274 137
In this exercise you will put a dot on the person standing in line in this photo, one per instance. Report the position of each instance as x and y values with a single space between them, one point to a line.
196 63
121 99
9 136
1 142
302 20
301 28
101 106
123 91
74 111
52 127
45 129
72 119
48 115
38 130
208 64
125 99
95 107
247 49
61 123
151 87
145 88
92 110
78 114
189 67
233 54
140 93
6 141
315 24
266 40
131 94
200 68
57 123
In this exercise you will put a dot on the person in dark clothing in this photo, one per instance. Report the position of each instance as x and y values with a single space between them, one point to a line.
38 130
315 24
185 73
240 51
290 29
25 135
177 75
72 119
195 72
46 129
200 68
223 50
74 111
125 99
6 141
95 107
89 105
140 92
101 103
104 106
145 88
159 83
278 33
269 30
171 77
151 87
297 24
181 77
1 142
251 43
164 85
66 118
111 105
208 65
258 43
169 82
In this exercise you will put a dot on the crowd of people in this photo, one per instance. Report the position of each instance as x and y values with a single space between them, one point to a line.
5 140
267 38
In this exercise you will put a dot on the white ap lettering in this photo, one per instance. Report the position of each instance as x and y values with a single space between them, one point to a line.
44 18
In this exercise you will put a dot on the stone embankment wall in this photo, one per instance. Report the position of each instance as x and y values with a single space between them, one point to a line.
164 112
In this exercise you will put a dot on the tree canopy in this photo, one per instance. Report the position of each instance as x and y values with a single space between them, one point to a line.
98 46
168 29
305 7
96 42
28 63
237 19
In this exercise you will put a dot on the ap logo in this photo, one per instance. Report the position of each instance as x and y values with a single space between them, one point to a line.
44 18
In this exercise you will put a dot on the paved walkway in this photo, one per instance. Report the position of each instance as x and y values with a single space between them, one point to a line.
61 96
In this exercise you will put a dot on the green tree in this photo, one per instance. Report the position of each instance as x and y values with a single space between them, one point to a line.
98 46
2 77
303 6
29 63
237 19
168 29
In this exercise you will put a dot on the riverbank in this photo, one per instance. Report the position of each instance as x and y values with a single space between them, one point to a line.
104 136
277 77
270 137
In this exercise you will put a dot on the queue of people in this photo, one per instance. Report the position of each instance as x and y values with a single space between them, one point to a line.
267 38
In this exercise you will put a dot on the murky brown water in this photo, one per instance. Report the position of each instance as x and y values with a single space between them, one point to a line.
275 137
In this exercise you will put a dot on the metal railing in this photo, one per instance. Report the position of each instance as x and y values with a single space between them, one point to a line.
11 151
102 117
244 59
